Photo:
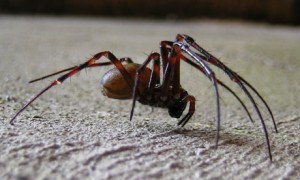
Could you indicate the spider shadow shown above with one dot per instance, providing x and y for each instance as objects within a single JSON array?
[{"x": 225, "y": 138}]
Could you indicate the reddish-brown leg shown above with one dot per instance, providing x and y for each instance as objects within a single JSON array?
[
  {"x": 75, "y": 70},
  {"x": 155, "y": 74},
  {"x": 187, "y": 117},
  {"x": 236, "y": 78},
  {"x": 154, "y": 78},
  {"x": 171, "y": 72},
  {"x": 165, "y": 50},
  {"x": 127, "y": 60},
  {"x": 220, "y": 83},
  {"x": 171, "y": 58},
  {"x": 210, "y": 74},
  {"x": 232, "y": 75}
]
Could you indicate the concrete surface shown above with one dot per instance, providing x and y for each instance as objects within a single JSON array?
[{"x": 73, "y": 132}]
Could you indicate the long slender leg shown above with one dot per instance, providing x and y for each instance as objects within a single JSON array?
[
  {"x": 220, "y": 83},
  {"x": 88, "y": 63},
  {"x": 164, "y": 45},
  {"x": 241, "y": 81},
  {"x": 166, "y": 67},
  {"x": 171, "y": 76},
  {"x": 186, "y": 118},
  {"x": 232, "y": 75},
  {"x": 236, "y": 78},
  {"x": 164, "y": 52},
  {"x": 211, "y": 75},
  {"x": 155, "y": 74},
  {"x": 154, "y": 78},
  {"x": 127, "y": 60},
  {"x": 167, "y": 49}
]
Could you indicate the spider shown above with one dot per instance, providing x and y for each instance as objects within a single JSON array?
[{"x": 128, "y": 80}]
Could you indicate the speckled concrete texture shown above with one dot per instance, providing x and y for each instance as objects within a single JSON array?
[{"x": 73, "y": 132}]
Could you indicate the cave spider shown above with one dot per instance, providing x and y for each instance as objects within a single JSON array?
[{"x": 128, "y": 80}]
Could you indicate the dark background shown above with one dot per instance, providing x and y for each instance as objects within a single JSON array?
[{"x": 271, "y": 11}]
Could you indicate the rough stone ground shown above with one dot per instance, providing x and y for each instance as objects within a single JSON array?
[{"x": 73, "y": 132}]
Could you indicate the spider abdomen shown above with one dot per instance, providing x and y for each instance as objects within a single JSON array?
[{"x": 114, "y": 85}]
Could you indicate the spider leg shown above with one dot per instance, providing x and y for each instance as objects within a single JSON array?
[
  {"x": 171, "y": 66},
  {"x": 186, "y": 118},
  {"x": 232, "y": 75},
  {"x": 236, "y": 78},
  {"x": 164, "y": 52},
  {"x": 211, "y": 75},
  {"x": 220, "y": 83},
  {"x": 155, "y": 74},
  {"x": 166, "y": 48},
  {"x": 87, "y": 64},
  {"x": 53, "y": 74},
  {"x": 241, "y": 81},
  {"x": 128, "y": 60},
  {"x": 154, "y": 78}
]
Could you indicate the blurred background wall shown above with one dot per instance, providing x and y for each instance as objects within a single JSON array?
[{"x": 271, "y": 11}]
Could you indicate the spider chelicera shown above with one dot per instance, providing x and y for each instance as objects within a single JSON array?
[{"x": 128, "y": 80}]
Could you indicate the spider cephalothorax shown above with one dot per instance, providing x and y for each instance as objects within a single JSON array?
[{"x": 137, "y": 81}]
